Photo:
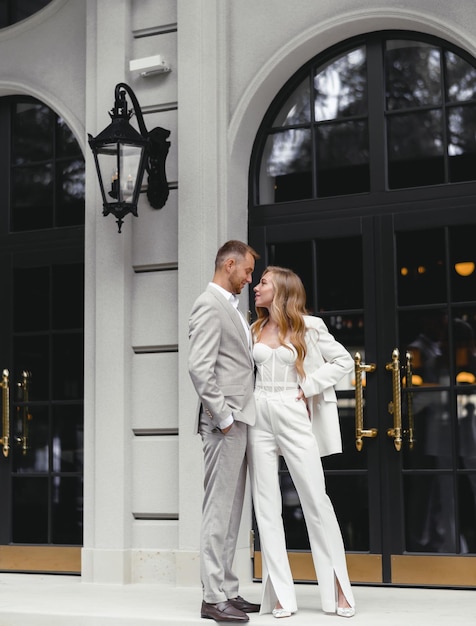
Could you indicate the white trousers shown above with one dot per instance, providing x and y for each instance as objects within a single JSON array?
[{"x": 283, "y": 427}]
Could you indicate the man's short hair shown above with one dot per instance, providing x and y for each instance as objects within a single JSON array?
[{"x": 234, "y": 248}]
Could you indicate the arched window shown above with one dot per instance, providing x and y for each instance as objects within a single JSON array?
[
  {"x": 383, "y": 112},
  {"x": 43, "y": 167},
  {"x": 13, "y": 11}
]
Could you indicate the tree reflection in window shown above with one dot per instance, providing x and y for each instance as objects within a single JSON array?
[
  {"x": 420, "y": 125},
  {"x": 47, "y": 168}
]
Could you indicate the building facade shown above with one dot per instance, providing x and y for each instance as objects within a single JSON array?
[{"x": 115, "y": 459}]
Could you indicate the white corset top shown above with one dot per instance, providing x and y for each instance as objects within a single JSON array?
[{"x": 275, "y": 367}]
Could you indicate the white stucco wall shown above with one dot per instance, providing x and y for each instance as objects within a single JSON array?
[{"x": 229, "y": 58}]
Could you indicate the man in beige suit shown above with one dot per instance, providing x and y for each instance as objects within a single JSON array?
[{"x": 222, "y": 371}]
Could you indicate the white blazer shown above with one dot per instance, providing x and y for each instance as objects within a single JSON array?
[{"x": 325, "y": 364}]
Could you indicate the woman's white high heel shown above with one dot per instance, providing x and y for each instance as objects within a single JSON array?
[
  {"x": 278, "y": 613},
  {"x": 347, "y": 611}
]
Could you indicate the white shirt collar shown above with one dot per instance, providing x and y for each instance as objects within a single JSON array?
[{"x": 233, "y": 298}]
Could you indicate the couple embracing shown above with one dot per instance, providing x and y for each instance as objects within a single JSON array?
[{"x": 289, "y": 408}]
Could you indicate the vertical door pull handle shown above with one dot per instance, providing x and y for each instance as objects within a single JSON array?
[
  {"x": 5, "y": 439},
  {"x": 360, "y": 432},
  {"x": 23, "y": 439},
  {"x": 409, "y": 385},
  {"x": 395, "y": 406}
]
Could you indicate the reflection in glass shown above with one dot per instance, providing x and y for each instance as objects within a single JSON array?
[
  {"x": 460, "y": 77},
  {"x": 32, "y": 132},
  {"x": 339, "y": 275},
  {"x": 340, "y": 88},
  {"x": 463, "y": 262},
  {"x": 286, "y": 167},
  {"x": 36, "y": 459},
  {"x": 32, "y": 353},
  {"x": 68, "y": 438},
  {"x": 296, "y": 109},
  {"x": 68, "y": 366},
  {"x": 349, "y": 495},
  {"x": 70, "y": 193},
  {"x": 31, "y": 285},
  {"x": 32, "y": 197},
  {"x": 430, "y": 513},
  {"x": 342, "y": 158},
  {"x": 421, "y": 267},
  {"x": 29, "y": 502},
  {"x": 413, "y": 74},
  {"x": 67, "y": 510},
  {"x": 297, "y": 256},
  {"x": 462, "y": 143},
  {"x": 415, "y": 149}
]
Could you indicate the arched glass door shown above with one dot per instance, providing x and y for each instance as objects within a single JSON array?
[
  {"x": 41, "y": 339},
  {"x": 362, "y": 182}
]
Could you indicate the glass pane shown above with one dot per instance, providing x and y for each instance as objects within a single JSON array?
[
  {"x": 296, "y": 110},
  {"x": 32, "y": 353},
  {"x": 31, "y": 285},
  {"x": 340, "y": 88},
  {"x": 433, "y": 436},
  {"x": 67, "y": 510},
  {"x": 297, "y": 255},
  {"x": 429, "y": 513},
  {"x": 339, "y": 274},
  {"x": 342, "y": 159},
  {"x": 32, "y": 198},
  {"x": 463, "y": 263},
  {"x": 68, "y": 367},
  {"x": 29, "y": 503},
  {"x": 67, "y": 447},
  {"x": 463, "y": 350},
  {"x": 467, "y": 430},
  {"x": 424, "y": 333},
  {"x": 286, "y": 167},
  {"x": 413, "y": 74},
  {"x": 67, "y": 145},
  {"x": 32, "y": 133},
  {"x": 68, "y": 296},
  {"x": 461, "y": 78},
  {"x": 415, "y": 150},
  {"x": 36, "y": 458},
  {"x": 349, "y": 496},
  {"x": 462, "y": 143},
  {"x": 421, "y": 267},
  {"x": 70, "y": 193},
  {"x": 21, "y": 9},
  {"x": 467, "y": 512}
]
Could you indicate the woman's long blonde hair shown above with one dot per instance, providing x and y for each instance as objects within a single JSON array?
[{"x": 288, "y": 308}]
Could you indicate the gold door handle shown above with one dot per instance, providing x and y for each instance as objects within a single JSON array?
[
  {"x": 360, "y": 432},
  {"x": 23, "y": 439},
  {"x": 395, "y": 406},
  {"x": 5, "y": 439},
  {"x": 409, "y": 385}
]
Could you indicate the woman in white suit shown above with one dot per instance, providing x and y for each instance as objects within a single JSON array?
[{"x": 298, "y": 362}]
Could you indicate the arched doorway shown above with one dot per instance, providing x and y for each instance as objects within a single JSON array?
[
  {"x": 363, "y": 181},
  {"x": 41, "y": 339}
]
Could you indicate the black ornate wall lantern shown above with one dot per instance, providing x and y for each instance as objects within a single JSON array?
[{"x": 122, "y": 155}]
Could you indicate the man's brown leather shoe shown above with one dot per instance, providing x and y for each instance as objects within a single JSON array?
[
  {"x": 243, "y": 605},
  {"x": 223, "y": 612}
]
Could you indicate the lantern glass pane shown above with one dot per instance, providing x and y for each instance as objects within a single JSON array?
[{"x": 130, "y": 158}]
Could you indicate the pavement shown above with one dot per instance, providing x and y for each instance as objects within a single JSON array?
[{"x": 49, "y": 600}]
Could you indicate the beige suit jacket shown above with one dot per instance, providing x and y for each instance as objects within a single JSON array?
[{"x": 220, "y": 363}]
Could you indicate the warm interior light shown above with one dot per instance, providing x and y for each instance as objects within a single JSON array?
[
  {"x": 404, "y": 271},
  {"x": 465, "y": 268},
  {"x": 465, "y": 377}
]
